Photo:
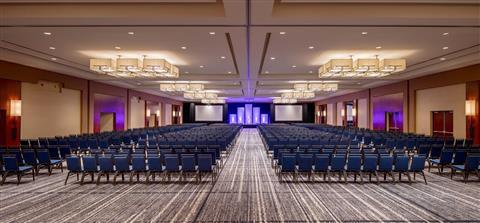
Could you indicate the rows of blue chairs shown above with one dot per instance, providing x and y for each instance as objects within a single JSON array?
[
  {"x": 466, "y": 161},
  {"x": 150, "y": 165},
  {"x": 32, "y": 155}
]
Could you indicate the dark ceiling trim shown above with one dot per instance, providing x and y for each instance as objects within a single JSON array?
[
  {"x": 264, "y": 52},
  {"x": 232, "y": 52}
]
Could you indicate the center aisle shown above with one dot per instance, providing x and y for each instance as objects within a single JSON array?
[{"x": 247, "y": 189}]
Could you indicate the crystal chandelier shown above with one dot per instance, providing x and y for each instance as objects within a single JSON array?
[
  {"x": 298, "y": 95},
  {"x": 315, "y": 87},
  {"x": 214, "y": 101},
  {"x": 361, "y": 68},
  {"x": 133, "y": 67},
  {"x": 181, "y": 87},
  {"x": 284, "y": 100}
]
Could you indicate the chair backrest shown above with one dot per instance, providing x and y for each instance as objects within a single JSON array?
[
  {"x": 138, "y": 162},
  {"x": 64, "y": 151},
  {"x": 29, "y": 157},
  {"x": 418, "y": 163},
  {"x": 53, "y": 152},
  {"x": 435, "y": 151},
  {"x": 205, "y": 162},
  {"x": 337, "y": 163},
  {"x": 385, "y": 163},
  {"x": 460, "y": 157},
  {"x": 43, "y": 156},
  {"x": 73, "y": 163},
  {"x": 354, "y": 163},
  {"x": 154, "y": 162},
  {"x": 105, "y": 163},
  {"x": 401, "y": 163},
  {"x": 10, "y": 162},
  {"x": 288, "y": 162},
  {"x": 171, "y": 162},
  {"x": 322, "y": 161},
  {"x": 121, "y": 163},
  {"x": 305, "y": 162},
  {"x": 188, "y": 162},
  {"x": 370, "y": 162},
  {"x": 472, "y": 162},
  {"x": 446, "y": 156},
  {"x": 89, "y": 163}
]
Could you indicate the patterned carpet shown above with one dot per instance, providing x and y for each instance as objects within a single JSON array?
[{"x": 247, "y": 189}]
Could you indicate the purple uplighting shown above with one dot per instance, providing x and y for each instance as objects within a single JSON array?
[
  {"x": 108, "y": 104},
  {"x": 388, "y": 103}
]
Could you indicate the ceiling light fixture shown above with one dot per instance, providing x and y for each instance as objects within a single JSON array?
[
  {"x": 364, "y": 33},
  {"x": 181, "y": 87},
  {"x": 284, "y": 100},
  {"x": 183, "y": 47},
  {"x": 361, "y": 68},
  {"x": 445, "y": 48},
  {"x": 187, "y": 72},
  {"x": 313, "y": 87},
  {"x": 229, "y": 72},
  {"x": 53, "y": 58},
  {"x": 298, "y": 94},
  {"x": 311, "y": 47},
  {"x": 283, "y": 33},
  {"x": 117, "y": 48},
  {"x": 134, "y": 67},
  {"x": 47, "y": 33},
  {"x": 267, "y": 72},
  {"x": 222, "y": 57},
  {"x": 378, "y": 47},
  {"x": 294, "y": 66},
  {"x": 310, "y": 71},
  {"x": 131, "y": 33},
  {"x": 272, "y": 58},
  {"x": 443, "y": 58},
  {"x": 201, "y": 66},
  {"x": 211, "y": 33},
  {"x": 445, "y": 34},
  {"x": 52, "y": 48}
]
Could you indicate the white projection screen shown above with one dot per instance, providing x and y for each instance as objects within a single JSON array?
[
  {"x": 208, "y": 113},
  {"x": 288, "y": 113}
]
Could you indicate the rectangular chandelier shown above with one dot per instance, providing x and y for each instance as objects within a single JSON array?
[
  {"x": 315, "y": 87},
  {"x": 284, "y": 100},
  {"x": 180, "y": 87},
  {"x": 133, "y": 67},
  {"x": 361, "y": 68},
  {"x": 298, "y": 95}
]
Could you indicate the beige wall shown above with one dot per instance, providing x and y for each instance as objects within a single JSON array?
[
  {"x": 362, "y": 113},
  {"x": 137, "y": 113},
  {"x": 330, "y": 114},
  {"x": 448, "y": 98},
  {"x": 339, "y": 113},
  {"x": 48, "y": 111},
  {"x": 168, "y": 114}
]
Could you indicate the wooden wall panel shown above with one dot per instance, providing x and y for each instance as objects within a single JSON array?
[{"x": 10, "y": 129}]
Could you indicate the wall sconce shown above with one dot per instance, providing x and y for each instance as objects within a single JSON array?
[
  {"x": 15, "y": 108},
  {"x": 324, "y": 113},
  {"x": 470, "y": 108},
  {"x": 148, "y": 113},
  {"x": 318, "y": 113},
  {"x": 158, "y": 113},
  {"x": 354, "y": 112},
  {"x": 173, "y": 113},
  {"x": 343, "y": 112},
  {"x": 179, "y": 113}
]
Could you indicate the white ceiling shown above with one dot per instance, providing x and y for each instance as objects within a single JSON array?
[{"x": 247, "y": 34}]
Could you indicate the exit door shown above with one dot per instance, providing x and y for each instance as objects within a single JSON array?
[{"x": 442, "y": 122}]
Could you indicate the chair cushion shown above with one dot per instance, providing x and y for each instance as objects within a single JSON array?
[
  {"x": 436, "y": 161},
  {"x": 25, "y": 168},
  {"x": 458, "y": 167},
  {"x": 55, "y": 161}
]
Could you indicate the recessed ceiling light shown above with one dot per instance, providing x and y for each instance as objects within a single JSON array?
[
  {"x": 131, "y": 33},
  {"x": 294, "y": 66},
  {"x": 272, "y": 58},
  {"x": 211, "y": 33},
  {"x": 47, "y": 33},
  {"x": 443, "y": 58},
  {"x": 139, "y": 83},
  {"x": 53, "y": 58},
  {"x": 310, "y": 72},
  {"x": 267, "y": 72},
  {"x": 52, "y": 48},
  {"x": 183, "y": 47},
  {"x": 364, "y": 33},
  {"x": 311, "y": 47},
  {"x": 223, "y": 57},
  {"x": 187, "y": 72},
  {"x": 201, "y": 66},
  {"x": 378, "y": 47},
  {"x": 117, "y": 47},
  {"x": 229, "y": 72},
  {"x": 445, "y": 48},
  {"x": 445, "y": 34},
  {"x": 283, "y": 33}
]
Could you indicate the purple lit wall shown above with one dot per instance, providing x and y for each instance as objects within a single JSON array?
[
  {"x": 387, "y": 103},
  {"x": 232, "y": 119},
  {"x": 240, "y": 115},
  {"x": 248, "y": 114},
  {"x": 264, "y": 119},
  {"x": 106, "y": 103},
  {"x": 256, "y": 115}
]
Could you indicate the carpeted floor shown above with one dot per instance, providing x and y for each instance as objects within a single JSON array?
[{"x": 247, "y": 189}]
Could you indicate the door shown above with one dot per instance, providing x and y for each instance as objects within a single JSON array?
[
  {"x": 107, "y": 122},
  {"x": 392, "y": 123},
  {"x": 442, "y": 123},
  {"x": 3, "y": 127}
]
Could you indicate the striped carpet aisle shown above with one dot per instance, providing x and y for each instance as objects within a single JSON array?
[{"x": 247, "y": 189}]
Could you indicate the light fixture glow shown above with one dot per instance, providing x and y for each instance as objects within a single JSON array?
[
  {"x": 378, "y": 47},
  {"x": 364, "y": 33},
  {"x": 283, "y": 33},
  {"x": 131, "y": 33},
  {"x": 445, "y": 48},
  {"x": 354, "y": 112},
  {"x": 47, "y": 33},
  {"x": 53, "y": 58},
  {"x": 118, "y": 48},
  {"x": 361, "y": 68},
  {"x": 470, "y": 108},
  {"x": 443, "y": 58},
  {"x": 15, "y": 108},
  {"x": 211, "y": 33},
  {"x": 201, "y": 66},
  {"x": 342, "y": 112},
  {"x": 222, "y": 57},
  {"x": 311, "y": 47},
  {"x": 294, "y": 66},
  {"x": 272, "y": 58},
  {"x": 445, "y": 34},
  {"x": 133, "y": 67},
  {"x": 183, "y": 47},
  {"x": 52, "y": 48},
  {"x": 148, "y": 113},
  {"x": 284, "y": 101}
]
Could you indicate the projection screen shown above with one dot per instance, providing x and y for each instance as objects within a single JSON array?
[
  {"x": 288, "y": 113},
  {"x": 208, "y": 113}
]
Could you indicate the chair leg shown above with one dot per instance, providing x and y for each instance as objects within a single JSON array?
[
  {"x": 33, "y": 175},
  {"x": 68, "y": 174},
  {"x": 131, "y": 177},
  {"x": 19, "y": 177},
  {"x": 98, "y": 177},
  {"x": 361, "y": 177},
  {"x": 424, "y": 178},
  {"x": 452, "y": 172},
  {"x": 376, "y": 176},
  {"x": 148, "y": 176},
  {"x": 414, "y": 175},
  {"x": 93, "y": 176},
  {"x": 345, "y": 176},
  {"x": 115, "y": 178},
  {"x": 4, "y": 176},
  {"x": 82, "y": 178},
  {"x": 393, "y": 178},
  {"x": 408, "y": 176}
]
